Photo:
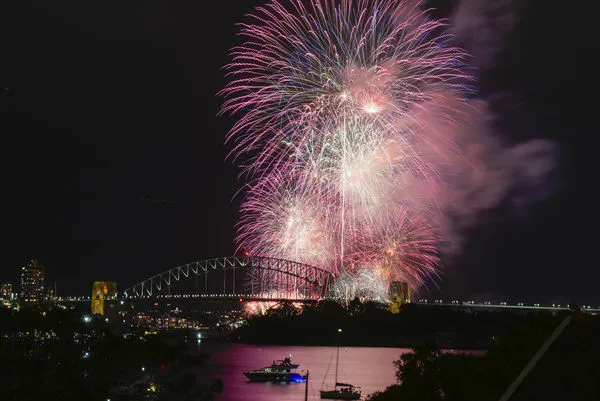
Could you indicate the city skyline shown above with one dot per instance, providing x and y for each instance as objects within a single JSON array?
[{"x": 118, "y": 172}]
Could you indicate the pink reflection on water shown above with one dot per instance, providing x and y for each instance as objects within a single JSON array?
[{"x": 369, "y": 368}]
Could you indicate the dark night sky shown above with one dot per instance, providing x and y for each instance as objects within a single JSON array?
[{"x": 112, "y": 102}]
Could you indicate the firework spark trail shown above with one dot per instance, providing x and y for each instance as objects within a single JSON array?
[
  {"x": 335, "y": 98},
  {"x": 292, "y": 223},
  {"x": 254, "y": 308},
  {"x": 365, "y": 282},
  {"x": 405, "y": 248}
]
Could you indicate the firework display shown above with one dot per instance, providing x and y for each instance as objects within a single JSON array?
[
  {"x": 262, "y": 308},
  {"x": 340, "y": 102}
]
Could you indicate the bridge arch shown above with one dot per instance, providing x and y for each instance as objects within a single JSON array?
[{"x": 314, "y": 282}]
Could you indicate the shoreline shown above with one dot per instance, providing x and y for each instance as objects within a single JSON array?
[
  {"x": 448, "y": 350},
  {"x": 406, "y": 345}
]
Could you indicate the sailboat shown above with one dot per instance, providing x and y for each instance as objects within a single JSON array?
[{"x": 341, "y": 391}]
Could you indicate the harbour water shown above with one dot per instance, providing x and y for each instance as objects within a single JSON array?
[{"x": 370, "y": 368}]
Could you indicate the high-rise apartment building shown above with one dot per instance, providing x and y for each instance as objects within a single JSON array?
[{"x": 32, "y": 283}]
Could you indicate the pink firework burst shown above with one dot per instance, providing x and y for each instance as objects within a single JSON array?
[{"x": 332, "y": 129}]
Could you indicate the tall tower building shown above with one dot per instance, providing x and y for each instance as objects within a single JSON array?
[{"x": 32, "y": 283}]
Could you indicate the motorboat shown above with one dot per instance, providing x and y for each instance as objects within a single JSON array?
[{"x": 280, "y": 371}]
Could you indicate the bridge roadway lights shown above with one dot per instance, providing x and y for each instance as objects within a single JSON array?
[
  {"x": 244, "y": 297},
  {"x": 501, "y": 305},
  {"x": 250, "y": 297}
]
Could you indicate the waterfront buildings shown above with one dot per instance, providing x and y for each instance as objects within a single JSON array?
[{"x": 6, "y": 292}]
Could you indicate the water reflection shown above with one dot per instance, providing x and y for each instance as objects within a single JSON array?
[{"x": 369, "y": 368}]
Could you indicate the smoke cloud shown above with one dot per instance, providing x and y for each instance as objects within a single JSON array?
[
  {"x": 483, "y": 27},
  {"x": 479, "y": 168},
  {"x": 491, "y": 172}
]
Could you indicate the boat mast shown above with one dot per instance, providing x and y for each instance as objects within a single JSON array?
[
  {"x": 306, "y": 387},
  {"x": 338, "y": 356}
]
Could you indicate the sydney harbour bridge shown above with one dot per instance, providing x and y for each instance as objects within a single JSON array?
[
  {"x": 247, "y": 277},
  {"x": 259, "y": 278}
]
